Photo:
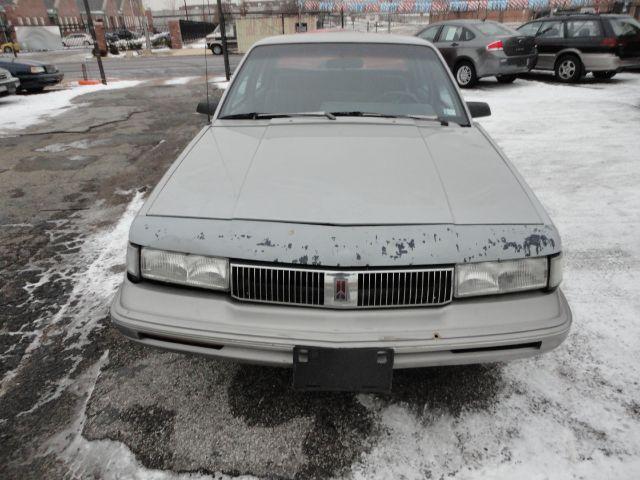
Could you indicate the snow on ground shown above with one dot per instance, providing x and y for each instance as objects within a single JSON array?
[
  {"x": 575, "y": 412},
  {"x": 178, "y": 80},
  {"x": 219, "y": 82},
  {"x": 22, "y": 111}
]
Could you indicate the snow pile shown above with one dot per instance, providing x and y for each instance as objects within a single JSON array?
[
  {"x": 572, "y": 413},
  {"x": 22, "y": 111},
  {"x": 179, "y": 80},
  {"x": 219, "y": 82}
]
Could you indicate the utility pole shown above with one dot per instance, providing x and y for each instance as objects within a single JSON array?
[
  {"x": 186, "y": 12},
  {"x": 96, "y": 49},
  {"x": 223, "y": 34}
]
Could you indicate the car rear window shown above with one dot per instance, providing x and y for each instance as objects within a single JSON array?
[
  {"x": 491, "y": 28},
  {"x": 624, "y": 27}
]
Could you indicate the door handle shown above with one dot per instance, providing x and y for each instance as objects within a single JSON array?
[{"x": 454, "y": 44}]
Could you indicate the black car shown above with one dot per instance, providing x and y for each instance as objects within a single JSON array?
[
  {"x": 576, "y": 44},
  {"x": 34, "y": 76},
  {"x": 121, "y": 34}
]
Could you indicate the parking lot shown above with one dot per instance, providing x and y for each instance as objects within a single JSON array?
[{"x": 77, "y": 400}]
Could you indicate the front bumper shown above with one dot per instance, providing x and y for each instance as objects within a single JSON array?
[
  {"x": 497, "y": 63},
  {"x": 9, "y": 86},
  {"x": 486, "y": 329},
  {"x": 40, "y": 80}
]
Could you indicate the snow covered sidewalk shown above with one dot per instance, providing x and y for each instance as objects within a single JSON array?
[{"x": 22, "y": 111}]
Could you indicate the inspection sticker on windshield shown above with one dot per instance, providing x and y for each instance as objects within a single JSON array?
[{"x": 450, "y": 112}]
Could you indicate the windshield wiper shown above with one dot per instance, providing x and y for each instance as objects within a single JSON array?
[
  {"x": 426, "y": 118},
  {"x": 266, "y": 116}
]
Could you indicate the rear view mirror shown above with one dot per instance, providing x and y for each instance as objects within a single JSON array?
[
  {"x": 479, "y": 109},
  {"x": 207, "y": 108}
]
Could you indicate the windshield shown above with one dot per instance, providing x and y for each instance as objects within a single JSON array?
[{"x": 380, "y": 78}]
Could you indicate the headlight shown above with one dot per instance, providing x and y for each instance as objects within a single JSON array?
[
  {"x": 489, "y": 278},
  {"x": 37, "y": 69},
  {"x": 184, "y": 269}
]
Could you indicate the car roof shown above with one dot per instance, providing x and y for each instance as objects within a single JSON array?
[
  {"x": 573, "y": 16},
  {"x": 342, "y": 38},
  {"x": 467, "y": 21}
]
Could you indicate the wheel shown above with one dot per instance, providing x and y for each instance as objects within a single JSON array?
[
  {"x": 465, "y": 74},
  {"x": 216, "y": 49},
  {"x": 568, "y": 69},
  {"x": 605, "y": 75},
  {"x": 506, "y": 78},
  {"x": 7, "y": 49}
]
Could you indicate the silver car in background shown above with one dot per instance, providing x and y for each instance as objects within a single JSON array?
[
  {"x": 342, "y": 214},
  {"x": 475, "y": 49}
]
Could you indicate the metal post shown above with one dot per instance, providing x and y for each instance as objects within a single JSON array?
[
  {"x": 145, "y": 26},
  {"x": 342, "y": 18},
  {"x": 223, "y": 33},
  {"x": 282, "y": 23},
  {"x": 84, "y": 71},
  {"x": 389, "y": 23},
  {"x": 186, "y": 12},
  {"x": 96, "y": 49}
]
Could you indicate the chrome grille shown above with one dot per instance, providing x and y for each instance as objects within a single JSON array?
[
  {"x": 405, "y": 288},
  {"x": 277, "y": 285},
  {"x": 375, "y": 288}
]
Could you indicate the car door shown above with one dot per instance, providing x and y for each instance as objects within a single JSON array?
[
  {"x": 448, "y": 42},
  {"x": 550, "y": 39}
]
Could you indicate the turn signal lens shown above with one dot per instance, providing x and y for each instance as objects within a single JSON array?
[
  {"x": 497, "y": 45},
  {"x": 555, "y": 270}
]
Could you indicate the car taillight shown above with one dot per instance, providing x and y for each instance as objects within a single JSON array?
[
  {"x": 497, "y": 45},
  {"x": 609, "y": 42}
]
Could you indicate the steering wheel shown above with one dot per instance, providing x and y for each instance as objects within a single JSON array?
[{"x": 399, "y": 94}]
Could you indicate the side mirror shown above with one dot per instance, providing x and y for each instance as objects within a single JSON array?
[
  {"x": 207, "y": 108},
  {"x": 479, "y": 109}
]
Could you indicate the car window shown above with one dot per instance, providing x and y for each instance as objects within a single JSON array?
[
  {"x": 552, "y": 29},
  {"x": 529, "y": 29},
  {"x": 625, "y": 26},
  {"x": 450, "y": 33},
  {"x": 467, "y": 35},
  {"x": 583, "y": 28},
  {"x": 430, "y": 33},
  {"x": 390, "y": 79},
  {"x": 493, "y": 28}
]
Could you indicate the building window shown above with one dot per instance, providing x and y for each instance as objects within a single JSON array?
[
  {"x": 20, "y": 22},
  {"x": 27, "y": 20},
  {"x": 41, "y": 20}
]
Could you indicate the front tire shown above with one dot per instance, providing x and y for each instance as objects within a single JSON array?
[
  {"x": 216, "y": 49},
  {"x": 506, "y": 78},
  {"x": 568, "y": 69},
  {"x": 605, "y": 75},
  {"x": 465, "y": 74}
]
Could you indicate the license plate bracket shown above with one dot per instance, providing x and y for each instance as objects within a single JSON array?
[{"x": 342, "y": 369}]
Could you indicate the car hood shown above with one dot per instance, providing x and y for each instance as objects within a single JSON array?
[
  {"x": 345, "y": 172},
  {"x": 25, "y": 62}
]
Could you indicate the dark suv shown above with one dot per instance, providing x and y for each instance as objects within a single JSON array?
[{"x": 573, "y": 45}]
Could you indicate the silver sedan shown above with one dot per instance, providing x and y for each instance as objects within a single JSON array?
[
  {"x": 343, "y": 214},
  {"x": 474, "y": 49}
]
